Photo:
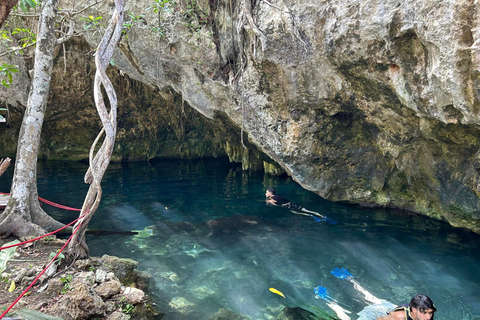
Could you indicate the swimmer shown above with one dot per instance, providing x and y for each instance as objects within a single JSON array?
[
  {"x": 420, "y": 307},
  {"x": 278, "y": 200}
]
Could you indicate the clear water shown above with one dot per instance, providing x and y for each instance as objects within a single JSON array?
[{"x": 210, "y": 242}]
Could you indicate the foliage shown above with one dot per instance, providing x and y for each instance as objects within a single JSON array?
[
  {"x": 26, "y": 36},
  {"x": 195, "y": 16},
  {"x": 7, "y": 71},
  {"x": 10, "y": 314},
  {"x": 5, "y": 36},
  {"x": 92, "y": 22},
  {"x": 26, "y": 5},
  {"x": 66, "y": 287},
  {"x": 49, "y": 238},
  {"x": 59, "y": 258},
  {"x": 126, "y": 307},
  {"x": 158, "y": 31},
  {"x": 133, "y": 19},
  {"x": 159, "y": 5},
  {"x": 7, "y": 254}
]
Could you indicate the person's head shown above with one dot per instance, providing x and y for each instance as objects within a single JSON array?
[
  {"x": 422, "y": 308},
  {"x": 270, "y": 192}
]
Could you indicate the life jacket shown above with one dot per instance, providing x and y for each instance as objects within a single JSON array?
[{"x": 405, "y": 308}]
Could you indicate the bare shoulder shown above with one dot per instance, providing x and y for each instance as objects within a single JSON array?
[{"x": 395, "y": 315}]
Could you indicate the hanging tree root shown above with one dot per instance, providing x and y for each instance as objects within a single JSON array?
[
  {"x": 4, "y": 163},
  {"x": 99, "y": 162}
]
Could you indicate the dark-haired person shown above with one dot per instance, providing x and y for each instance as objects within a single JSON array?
[
  {"x": 420, "y": 307},
  {"x": 277, "y": 200}
]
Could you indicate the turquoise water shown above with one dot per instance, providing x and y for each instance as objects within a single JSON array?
[{"x": 210, "y": 242}]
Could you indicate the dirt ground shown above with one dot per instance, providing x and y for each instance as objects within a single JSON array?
[{"x": 32, "y": 256}]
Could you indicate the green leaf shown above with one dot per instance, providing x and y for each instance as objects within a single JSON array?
[
  {"x": 31, "y": 3},
  {"x": 35, "y": 315},
  {"x": 23, "y": 7},
  {"x": 7, "y": 254}
]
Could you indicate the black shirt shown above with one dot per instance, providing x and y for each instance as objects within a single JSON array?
[{"x": 279, "y": 200}]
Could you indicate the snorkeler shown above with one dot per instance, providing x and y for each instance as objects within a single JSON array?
[
  {"x": 278, "y": 200},
  {"x": 420, "y": 307}
]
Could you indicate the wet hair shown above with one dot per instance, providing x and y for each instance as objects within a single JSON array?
[
  {"x": 422, "y": 302},
  {"x": 272, "y": 190}
]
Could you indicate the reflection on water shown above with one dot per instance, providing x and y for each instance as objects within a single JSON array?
[{"x": 210, "y": 242}]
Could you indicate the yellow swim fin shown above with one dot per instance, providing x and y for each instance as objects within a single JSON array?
[{"x": 276, "y": 292}]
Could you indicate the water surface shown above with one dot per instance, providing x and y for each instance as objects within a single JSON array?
[{"x": 210, "y": 242}]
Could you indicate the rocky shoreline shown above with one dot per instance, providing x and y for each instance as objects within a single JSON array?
[{"x": 104, "y": 287}]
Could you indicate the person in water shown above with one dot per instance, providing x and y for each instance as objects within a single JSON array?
[
  {"x": 420, "y": 307},
  {"x": 278, "y": 200}
]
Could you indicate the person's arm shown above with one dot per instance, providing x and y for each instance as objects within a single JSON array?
[{"x": 271, "y": 201}]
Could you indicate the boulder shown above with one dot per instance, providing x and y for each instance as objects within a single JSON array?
[
  {"x": 122, "y": 268},
  {"x": 133, "y": 295},
  {"x": 108, "y": 289},
  {"x": 79, "y": 304},
  {"x": 117, "y": 315}
]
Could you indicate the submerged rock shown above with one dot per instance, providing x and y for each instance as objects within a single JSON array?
[
  {"x": 180, "y": 303},
  {"x": 224, "y": 314},
  {"x": 300, "y": 314}
]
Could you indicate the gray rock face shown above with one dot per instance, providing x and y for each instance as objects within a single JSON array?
[
  {"x": 371, "y": 102},
  {"x": 361, "y": 101}
]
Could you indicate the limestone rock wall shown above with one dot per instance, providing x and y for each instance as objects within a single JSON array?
[{"x": 371, "y": 102}]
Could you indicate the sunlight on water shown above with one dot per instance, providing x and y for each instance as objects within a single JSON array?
[{"x": 210, "y": 242}]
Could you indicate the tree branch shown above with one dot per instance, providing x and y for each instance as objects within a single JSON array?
[
  {"x": 72, "y": 14},
  {"x": 17, "y": 49}
]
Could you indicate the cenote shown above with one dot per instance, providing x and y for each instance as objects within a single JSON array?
[{"x": 210, "y": 242}]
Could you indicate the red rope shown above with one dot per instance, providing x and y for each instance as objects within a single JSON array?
[
  {"x": 58, "y": 205},
  {"x": 53, "y": 204},
  {"x": 45, "y": 235},
  {"x": 43, "y": 271}
]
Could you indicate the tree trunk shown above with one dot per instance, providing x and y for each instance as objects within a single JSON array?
[
  {"x": 99, "y": 163},
  {"x": 5, "y": 8},
  {"x": 23, "y": 217}
]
